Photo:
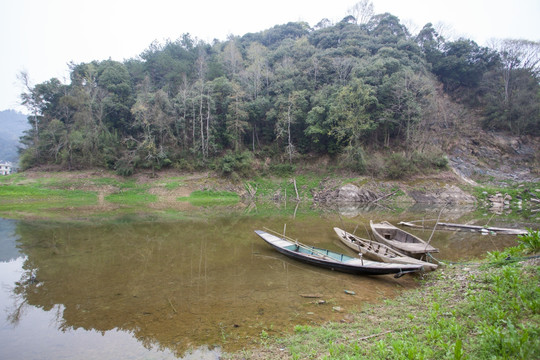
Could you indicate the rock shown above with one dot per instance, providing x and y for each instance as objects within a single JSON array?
[
  {"x": 347, "y": 319},
  {"x": 348, "y": 193},
  {"x": 352, "y": 193},
  {"x": 449, "y": 194}
]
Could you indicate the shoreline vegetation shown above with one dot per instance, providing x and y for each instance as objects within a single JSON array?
[
  {"x": 102, "y": 194},
  {"x": 488, "y": 309}
]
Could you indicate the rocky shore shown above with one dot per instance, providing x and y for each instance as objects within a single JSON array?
[{"x": 428, "y": 191}]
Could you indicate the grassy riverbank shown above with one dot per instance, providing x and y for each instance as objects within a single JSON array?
[
  {"x": 483, "y": 310},
  {"x": 100, "y": 194}
]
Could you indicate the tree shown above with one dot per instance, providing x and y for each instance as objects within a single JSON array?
[
  {"x": 362, "y": 11},
  {"x": 517, "y": 54},
  {"x": 114, "y": 78},
  {"x": 463, "y": 64},
  {"x": 181, "y": 108},
  {"x": 431, "y": 43},
  {"x": 203, "y": 100},
  {"x": 387, "y": 28},
  {"x": 256, "y": 75},
  {"x": 343, "y": 67},
  {"x": 353, "y": 115},
  {"x": 512, "y": 89},
  {"x": 232, "y": 58},
  {"x": 43, "y": 102},
  {"x": 237, "y": 116},
  {"x": 288, "y": 107},
  {"x": 403, "y": 95},
  {"x": 153, "y": 114}
]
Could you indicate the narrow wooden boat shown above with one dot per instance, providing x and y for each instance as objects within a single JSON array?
[
  {"x": 379, "y": 252},
  {"x": 479, "y": 228},
  {"x": 332, "y": 260},
  {"x": 401, "y": 240}
]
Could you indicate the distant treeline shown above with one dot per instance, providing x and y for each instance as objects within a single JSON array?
[{"x": 292, "y": 90}]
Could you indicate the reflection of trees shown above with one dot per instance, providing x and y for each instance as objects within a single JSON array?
[
  {"x": 19, "y": 302},
  {"x": 8, "y": 238},
  {"x": 179, "y": 285},
  {"x": 158, "y": 282}
]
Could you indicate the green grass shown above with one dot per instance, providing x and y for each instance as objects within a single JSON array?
[
  {"x": 45, "y": 196},
  {"x": 273, "y": 188},
  {"x": 211, "y": 198},
  {"x": 174, "y": 183},
  {"x": 34, "y": 197},
  {"x": 121, "y": 184},
  {"x": 132, "y": 197},
  {"x": 522, "y": 192}
]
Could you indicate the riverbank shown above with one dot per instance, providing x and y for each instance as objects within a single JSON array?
[
  {"x": 478, "y": 310},
  {"x": 102, "y": 194}
]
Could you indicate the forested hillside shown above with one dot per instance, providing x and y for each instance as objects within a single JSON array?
[{"x": 342, "y": 90}]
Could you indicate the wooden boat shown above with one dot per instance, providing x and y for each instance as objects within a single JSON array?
[
  {"x": 332, "y": 260},
  {"x": 377, "y": 251},
  {"x": 479, "y": 228},
  {"x": 401, "y": 240}
]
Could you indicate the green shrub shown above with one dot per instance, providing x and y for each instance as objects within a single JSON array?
[
  {"x": 356, "y": 159},
  {"x": 429, "y": 160},
  {"x": 124, "y": 167},
  {"x": 530, "y": 241},
  {"x": 282, "y": 170},
  {"x": 236, "y": 164},
  {"x": 398, "y": 166}
]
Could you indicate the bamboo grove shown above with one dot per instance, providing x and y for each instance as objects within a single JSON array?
[{"x": 280, "y": 94}]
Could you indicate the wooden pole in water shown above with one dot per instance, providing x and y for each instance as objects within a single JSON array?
[{"x": 433, "y": 231}]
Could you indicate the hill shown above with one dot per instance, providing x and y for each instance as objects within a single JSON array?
[
  {"x": 369, "y": 95},
  {"x": 13, "y": 125}
]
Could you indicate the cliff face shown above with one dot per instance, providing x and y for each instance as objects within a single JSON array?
[{"x": 496, "y": 158}]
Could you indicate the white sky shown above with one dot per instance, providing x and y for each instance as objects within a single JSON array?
[{"x": 43, "y": 36}]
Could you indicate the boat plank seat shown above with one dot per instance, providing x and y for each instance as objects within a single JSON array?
[{"x": 412, "y": 247}]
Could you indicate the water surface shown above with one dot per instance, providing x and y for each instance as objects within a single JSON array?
[{"x": 189, "y": 288}]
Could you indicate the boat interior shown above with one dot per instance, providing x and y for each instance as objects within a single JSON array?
[{"x": 310, "y": 250}]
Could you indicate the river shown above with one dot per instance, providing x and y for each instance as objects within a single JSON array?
[{"x": 190, "y": 288}]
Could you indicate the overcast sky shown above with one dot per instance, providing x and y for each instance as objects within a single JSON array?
[{"x": 42, "y": 36}]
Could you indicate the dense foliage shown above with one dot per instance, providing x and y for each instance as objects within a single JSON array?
[{"x": 280, "y": 94}]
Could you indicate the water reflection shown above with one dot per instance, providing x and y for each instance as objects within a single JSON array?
[
  {"x": 8, "y": 238},
  {"x": 202, "y": 284}
]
